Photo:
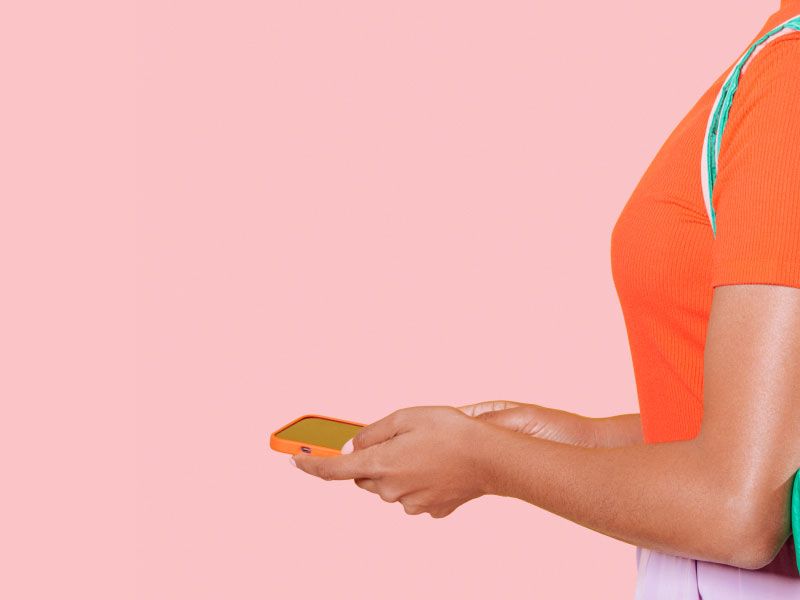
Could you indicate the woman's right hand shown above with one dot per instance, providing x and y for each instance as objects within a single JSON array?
[{"x": 538, "y": 421}]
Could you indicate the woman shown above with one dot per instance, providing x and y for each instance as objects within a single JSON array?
[{"x": 713, "y": 321}]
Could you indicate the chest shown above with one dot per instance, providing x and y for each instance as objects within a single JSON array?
[{"x": 661, "y": 242}]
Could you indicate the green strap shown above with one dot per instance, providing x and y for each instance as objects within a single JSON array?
[
  {"x": 718, "y": 118},
  {"x": 796, "y": 517}
]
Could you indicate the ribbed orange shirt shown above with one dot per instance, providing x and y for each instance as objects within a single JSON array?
[{"x": 665, "y": 260}]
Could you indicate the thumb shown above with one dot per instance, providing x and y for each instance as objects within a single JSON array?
[
  {"x": 333, "y": 467},
  {"x": 474, "y": 410},
  {"x": 516, "y": 419},
  {"x": 375, "y": 433}
]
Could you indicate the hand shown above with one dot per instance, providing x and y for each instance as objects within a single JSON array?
[
  {"x": 538, "y": 421},
  {"x": 428, "y": 458}
]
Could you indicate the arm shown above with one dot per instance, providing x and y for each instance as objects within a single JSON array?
[
  {"x": 661, "y": 496},
  {"x": 619, "y": 430},
  {"x": 559, "y": 425},
  {"x": 722, "y": 496}
]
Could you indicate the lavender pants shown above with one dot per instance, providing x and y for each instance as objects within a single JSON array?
[{"x": 666, "y": 577}]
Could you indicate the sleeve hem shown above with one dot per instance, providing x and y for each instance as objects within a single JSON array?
[{"x": 771, "y": 272}]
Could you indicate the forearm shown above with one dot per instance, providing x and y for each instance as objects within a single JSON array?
[
  {"x": 618, "y": 430},
  {"x": 661, "y": 496}
]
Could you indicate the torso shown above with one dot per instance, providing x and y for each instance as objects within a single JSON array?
[{"x": 661, "y": 250}]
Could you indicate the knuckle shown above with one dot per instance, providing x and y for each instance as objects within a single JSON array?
[
  {"x": 394, "y": 419},
  {"x": 358, "y": 439},
  {"x": 400, "y": 416},
  {"x": 374, "y": 465}
]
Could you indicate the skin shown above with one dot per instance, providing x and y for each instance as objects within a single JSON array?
[{"x": 722, "y": 496}]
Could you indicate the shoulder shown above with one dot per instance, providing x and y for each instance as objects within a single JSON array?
[
  {"x": 767, "y": 94},
  {"x": 776, "y": 57}
]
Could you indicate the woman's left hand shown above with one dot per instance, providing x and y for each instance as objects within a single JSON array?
[{"x": 428, "y": 458}]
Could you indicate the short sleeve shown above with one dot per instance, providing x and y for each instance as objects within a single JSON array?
[{"x": 757, "y": 190}]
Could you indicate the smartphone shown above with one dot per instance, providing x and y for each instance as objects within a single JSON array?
[{"x": 315, "y": 435}]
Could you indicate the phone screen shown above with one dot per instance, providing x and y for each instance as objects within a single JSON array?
[{"x": 320, "y": 432}]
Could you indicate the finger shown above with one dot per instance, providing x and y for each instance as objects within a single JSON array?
[
  {"x": 345, "y": 466},
  {"x": 412, "y": 505},
  {"x": 417, "y": 503},
  {"x": 379, "y": 431},
  {"x": 439, "y": 513},
  {"x": 371, "y": 485},
  {"x": 366, "y": 484},
  {"x": 473, "y": 410}
]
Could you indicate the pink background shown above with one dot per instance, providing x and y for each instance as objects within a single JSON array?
[{"x": 222, "y": 215}]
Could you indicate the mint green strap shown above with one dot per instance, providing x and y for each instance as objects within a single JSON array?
[
  {"x": 796, "y": 517},
  {"x": 718, "y": 118}
]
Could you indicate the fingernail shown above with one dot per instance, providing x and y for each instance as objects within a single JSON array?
[
  {"x": 348, "y": 446},
  {"x": 291, "y": 459}
]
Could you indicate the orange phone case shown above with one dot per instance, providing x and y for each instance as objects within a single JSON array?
[{"x": 292, "y": 447}]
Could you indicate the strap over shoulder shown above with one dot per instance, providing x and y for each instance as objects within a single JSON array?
[{"x": 718, "y": 117}]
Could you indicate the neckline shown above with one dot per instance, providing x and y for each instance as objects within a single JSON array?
[{"x": 788, "y": 9}]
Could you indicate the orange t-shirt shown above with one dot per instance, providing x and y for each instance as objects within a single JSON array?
[{"x": 665, "y": 260}]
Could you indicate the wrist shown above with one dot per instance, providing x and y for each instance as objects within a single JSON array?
[{"x": 493, "y": 455}]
